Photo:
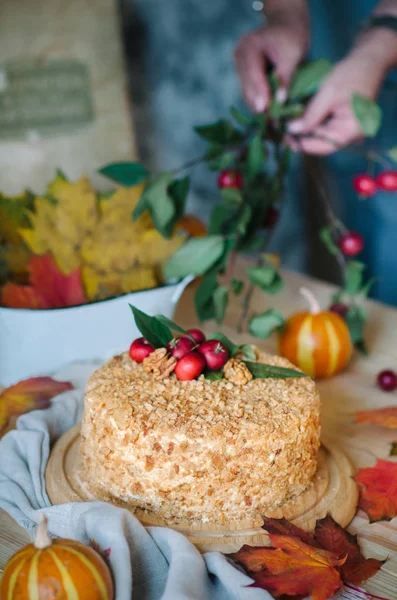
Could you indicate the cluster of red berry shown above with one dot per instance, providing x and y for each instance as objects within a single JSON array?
[
  {"x": 193, "y": 352},
  {"x": 365, "y": 185}
]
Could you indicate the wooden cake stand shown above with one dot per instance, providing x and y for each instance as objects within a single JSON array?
[{"x": 333, "y": 491}]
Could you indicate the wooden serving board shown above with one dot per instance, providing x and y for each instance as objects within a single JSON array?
[{"x": 332, "y": 491}]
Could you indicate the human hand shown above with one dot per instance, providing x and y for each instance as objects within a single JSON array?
[
  {"x": 329, "y": 123},
  {"x": 283, "y": 43}
]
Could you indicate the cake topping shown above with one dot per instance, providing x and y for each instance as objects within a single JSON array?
[
  {"x": 190, "y": 354},
  {"x": 237, "y": 372},
  {"x": 160, "y": 363}
]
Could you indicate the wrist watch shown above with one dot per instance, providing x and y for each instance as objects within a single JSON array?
[{"x": 385, "y": 21}]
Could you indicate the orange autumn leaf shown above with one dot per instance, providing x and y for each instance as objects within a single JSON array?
[
  {"x": 378, "y": 490},
  {"x": 294, "y": 568},
  {"x": 49, "y": 287},
  {"x": 331, "y": 556},
  {"x": 386, "y": 417},
  {"x": 333, "y": 537},
  {"x": 30, "y": 394}
]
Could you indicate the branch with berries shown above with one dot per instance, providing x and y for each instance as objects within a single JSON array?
[{"x": 251, "y": 157}]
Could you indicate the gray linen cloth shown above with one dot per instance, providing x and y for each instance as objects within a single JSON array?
[{"x": 151, "y": 563}]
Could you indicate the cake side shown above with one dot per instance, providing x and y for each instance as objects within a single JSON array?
[{"x": 198, "y": 449}]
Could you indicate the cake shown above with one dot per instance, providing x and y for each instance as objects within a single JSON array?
[{"x": 198, "y": 450}]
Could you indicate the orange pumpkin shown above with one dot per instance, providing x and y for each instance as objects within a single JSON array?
[
  {"x": 59, "y": 569},
  {"x": 318, "y": 342}
]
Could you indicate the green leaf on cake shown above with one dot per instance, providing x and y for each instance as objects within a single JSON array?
[
  {"x": 221, "y": 299},
  {"x": 264, "y": 324},
  {"x": 245, "y": 350},
  {"x": 125, "y": 173},
  {"x": 222, "y": 132},
  {"x": 262, "y": 371},
  {"x": 173, "y": 326},
  {"x": 195, "y": 257},
  {"x": 368, "y": 114},
  {"x": 151, "y": 328},
  {"x": 308, "y": 78},
  {"x": 213, "y": 375}
]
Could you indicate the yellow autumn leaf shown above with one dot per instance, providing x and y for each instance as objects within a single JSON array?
[
  {"x": 99, "y": 286},
  {"x": 156, "y": 250}
]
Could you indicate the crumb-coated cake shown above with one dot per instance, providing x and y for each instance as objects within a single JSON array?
[{"x": 199, "y": 449}]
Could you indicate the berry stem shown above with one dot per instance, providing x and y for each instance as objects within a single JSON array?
[
  {"x": 312, "y": 300},
  {"x": 42, "y": 540}
]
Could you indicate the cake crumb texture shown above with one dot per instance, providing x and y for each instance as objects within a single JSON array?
[{"x": 201, "y": 450}]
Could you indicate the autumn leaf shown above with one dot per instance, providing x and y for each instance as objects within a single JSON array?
[
  {"x": 386, "y": 417},
  {"x": 31, "y": 394},
  {"x": 378, "y": 490},
  {"x": 299, "y": 563},
  {"x": 331, "y": 536},
  {"x": 292, "y": 567},
  {"x": 49, "y": 287}
]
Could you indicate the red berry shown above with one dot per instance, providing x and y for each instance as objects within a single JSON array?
[
  {"x": 230, "y": 179},
  {"x": 387, "y": 380},
  {"x": 271, "y": 217},
  {"x": 197, "y": 335},
  {"x": 351, "y": 243},
  {"x": 387, "y": 181},
  {"x": 189, "y": 366},
  {"x": 365, "y": 185},
  {"x": 339, "y": 309},
  {"x": 215, "y": 354},
  {"x": 140, "y": 349},
  {"x": 180, "y": 346}
]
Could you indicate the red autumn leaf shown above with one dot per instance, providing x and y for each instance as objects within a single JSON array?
[
  {"x": 378, "y": 490},
  {"x": 386, "y": 417},
  {"x": 30, "y": 394},
  {"x": 49, "y": 287},
  {"x": 299, "y": 563},
  {"x": 284, "y": 527},
  {"x": 294, "y": 568},
  {"x": 333, "y": 537}
]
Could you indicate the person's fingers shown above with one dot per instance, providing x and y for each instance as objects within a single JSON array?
[
  {"x": 318, "y": 109},
  {"x": 250, "y": 62},
  {"x": 329, "y": 138}
]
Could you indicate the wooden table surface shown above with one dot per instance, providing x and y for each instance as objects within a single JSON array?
[{"x": 341, "y": 397}]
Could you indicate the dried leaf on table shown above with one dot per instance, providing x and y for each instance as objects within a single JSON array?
[
  {"x": 49, "y": 287},
  {"x": 30, "y": 394},
  {"x": 292, "y": 567},
  {"x": 378, "y": 490},
  {"x": 299, "y": 563},
  {"x": 386, "y": 417}
]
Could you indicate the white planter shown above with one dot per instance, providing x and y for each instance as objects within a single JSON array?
[{"x": 40, "y": 342}]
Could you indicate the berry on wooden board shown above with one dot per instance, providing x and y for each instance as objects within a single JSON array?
[
  {"x": 197, "y": 335},
  {"x": 365, "y": 185},
  {"x": 180, "y": 346},
  {"x": 189, "y": 366},
  {"x": 387, "y": 380},
  {"x": 230, "y": 179},
  {"x": 387, "y": 181},
  {"x": 140, "y": 349},
  {"x": 351, "y": 243},
  {"x": 215, "y": 354}
]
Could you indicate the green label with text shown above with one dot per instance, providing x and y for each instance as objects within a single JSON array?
[{"x": 45, "y": 99}]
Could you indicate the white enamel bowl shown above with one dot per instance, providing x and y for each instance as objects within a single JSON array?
[{"x": 40, "y": 342}]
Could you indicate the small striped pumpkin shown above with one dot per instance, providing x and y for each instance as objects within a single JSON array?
[
  {"x": 58, "y": 569},
  {"x": 318, "y": 342}
]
